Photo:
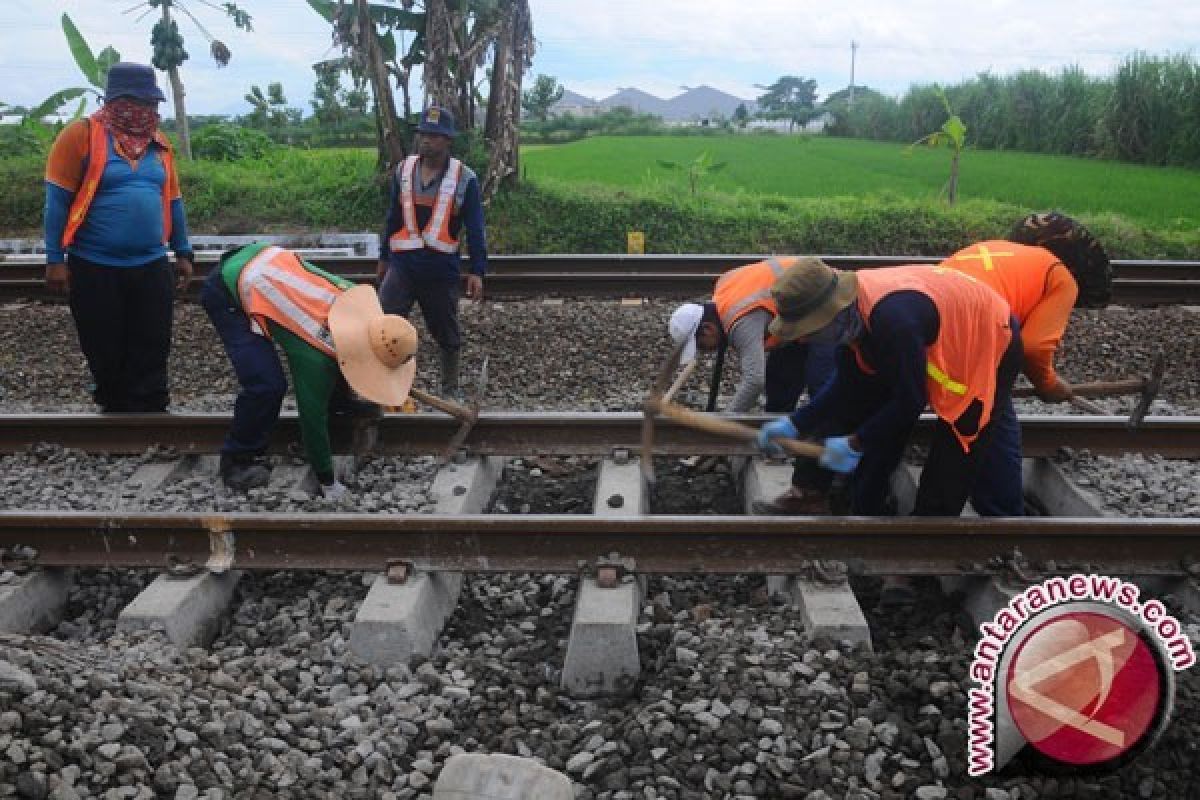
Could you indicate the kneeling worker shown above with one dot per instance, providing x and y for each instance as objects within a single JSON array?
[
  {"x": 328, "y": 328},
  {"x": 738, "y": 314},
  {"x": 909, "y": 337}
]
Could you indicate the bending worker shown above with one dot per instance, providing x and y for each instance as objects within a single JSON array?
[
  {"x": 328, "y": 329},
  {"x": 434, "y": 197},
  {"x": 738, "y": 314},
  {"x": 908, "y": 337},
  {"x": 1048, "y": 263}
]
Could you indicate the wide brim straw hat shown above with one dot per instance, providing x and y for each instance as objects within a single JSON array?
[
  {"x": 375, "y": 351},
  {"x": 808, "y": 296}
]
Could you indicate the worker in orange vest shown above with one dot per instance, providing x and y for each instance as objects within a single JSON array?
[
  {"x": 1048, "y": 264},
  {"x": 907, "y": 337},
  {"x": 738, "y": 314},
  {"x": 332, "y": 332}
]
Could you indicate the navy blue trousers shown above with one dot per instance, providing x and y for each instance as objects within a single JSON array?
[
  {"x": 123, "y": 319},
  {"x": 437, "y": 295},
  {"x": 989, "y": 474},
  {"x": 257, "y": 366}
]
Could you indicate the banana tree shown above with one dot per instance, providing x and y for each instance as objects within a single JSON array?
[
  {"x": 169, "y": 52},
  {"x": 697, "y": 169},
  {"x": 952, "y": 133},
  {"x": 94, "y": 68}
]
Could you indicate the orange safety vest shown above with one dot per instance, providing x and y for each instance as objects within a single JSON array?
[
  {"x": 744, "y": 289},
  {"x": 1017, "y": 272},
  {"x": 275, "y": 286},
  {"x": 97, "y": 160},
  {"x": 437, "y": 232},
  {"x": 973, "y": 334}
]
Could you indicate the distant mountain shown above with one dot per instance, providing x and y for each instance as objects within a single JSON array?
[
  {"x": 704, "y": 102},
  {"x": 639, "y": 101},
  {"x": 701, "y": 102}
]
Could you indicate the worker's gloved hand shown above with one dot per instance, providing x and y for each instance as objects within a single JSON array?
[
  {"x": 335, "y": 490},
  {"x": 839, "y": 456},
  {"x": 781, "y": 428}
]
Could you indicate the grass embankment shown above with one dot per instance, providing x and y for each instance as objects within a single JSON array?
[{"x": 778, "y": 194}]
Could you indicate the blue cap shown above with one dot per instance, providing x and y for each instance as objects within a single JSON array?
[
  {"x": 126, "y": 79},
  {"x": 437, "y": 120}
]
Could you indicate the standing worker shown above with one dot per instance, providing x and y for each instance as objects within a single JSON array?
[
  {"x": 910, "y": 337},
  {"x": 113, "y": 206},
  {"x": 434, "y": 196},
  {"x": 328, "y": 329},
  {"x": 738, "y": 315},
  {"x": 1048, "y": 263}
]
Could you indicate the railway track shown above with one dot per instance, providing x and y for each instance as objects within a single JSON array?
[
  {"x": 1137, "y": 282},
  {"x": 567, "y": 543}
]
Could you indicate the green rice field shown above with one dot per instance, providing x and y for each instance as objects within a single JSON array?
[{"x": 1167, "y": 198}]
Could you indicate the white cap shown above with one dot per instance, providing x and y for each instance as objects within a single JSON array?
[{"x": 683, "y": 326}]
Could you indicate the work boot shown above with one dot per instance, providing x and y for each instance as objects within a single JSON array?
[
  {"x": 796, "y": 501},
  {"x": 450, "y": 387},
  {"x": 242, "y": 472}
]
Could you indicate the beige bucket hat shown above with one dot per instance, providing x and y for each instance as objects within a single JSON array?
[
  {"x": 808, "y": 296},
  {"x": 375, "y": 351}
]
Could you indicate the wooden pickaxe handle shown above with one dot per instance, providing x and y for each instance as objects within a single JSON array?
[
  {"x": 680, "y": 381},
  {"x": 442, "y": 404},
  {"x": 1094, "y": 389},
  {"x": 731, "y": 429}
]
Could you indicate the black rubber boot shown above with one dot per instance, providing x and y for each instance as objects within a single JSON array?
[
  {"x": 449, "y": 363},
  {"x": 243, "y": 472}
]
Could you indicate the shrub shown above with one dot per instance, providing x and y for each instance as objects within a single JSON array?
[{"x": 222, "y": 142}]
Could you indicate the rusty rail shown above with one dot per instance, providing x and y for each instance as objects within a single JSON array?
[
  {"x": 571, "y": 543},
  {"x": 548, "y": 433},
  {"x": 1138, "y": 282}
]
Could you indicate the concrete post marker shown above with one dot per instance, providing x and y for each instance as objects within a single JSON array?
[{"x": 399, "y": 620}]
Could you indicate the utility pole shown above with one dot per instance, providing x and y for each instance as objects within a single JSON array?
[{"x": 853, "y": 53}]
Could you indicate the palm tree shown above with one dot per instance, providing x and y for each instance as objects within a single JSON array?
[{"x": 169, "y": 54}]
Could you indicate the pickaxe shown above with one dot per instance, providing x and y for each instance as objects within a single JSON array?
[
  {"x": 468, "y": 415},
  {"x": 1146, "y": 386},
  {"x": 658, "y": 402}
]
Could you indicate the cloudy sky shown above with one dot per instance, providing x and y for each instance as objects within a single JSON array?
[{"x": 596, "y": 46}]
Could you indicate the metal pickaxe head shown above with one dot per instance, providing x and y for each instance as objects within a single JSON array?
[
  {"x": 469, "y": 421},
  {"x": 1150, "y": 388},
  {"x": 650, "y": 407}
]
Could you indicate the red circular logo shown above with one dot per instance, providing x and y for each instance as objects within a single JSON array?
[{"x": 1084, "y": 688}]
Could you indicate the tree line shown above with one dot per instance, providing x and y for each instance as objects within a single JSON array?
[{"x": 1147, "y": 112}]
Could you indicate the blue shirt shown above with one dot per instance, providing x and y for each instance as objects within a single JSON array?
[{"x": 124, "y": 223}]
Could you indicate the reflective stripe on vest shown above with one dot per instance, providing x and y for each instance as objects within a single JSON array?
[
  {"x": 744, "y": 289},
  {"x": 97, "y": 161},
  {"x": 973, "y": 333},
  {"x": 437, "y": 233},
  {"x": 275, "y": 286}
]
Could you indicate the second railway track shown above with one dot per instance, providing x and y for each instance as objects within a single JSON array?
[{"x": 1136, "y": 283}]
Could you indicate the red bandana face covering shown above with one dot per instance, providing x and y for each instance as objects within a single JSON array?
[{"x": 131, "y": 124}]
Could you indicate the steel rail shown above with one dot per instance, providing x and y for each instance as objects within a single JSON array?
[
  {"x": 544, "y": 433},
  {"x": 1138, "y": 283},
  {"x": 570, "y": 543}
]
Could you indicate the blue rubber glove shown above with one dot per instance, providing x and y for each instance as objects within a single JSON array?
[
  {"x": 839, "y": 456},
  {"x": 781, "y": 428}
]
